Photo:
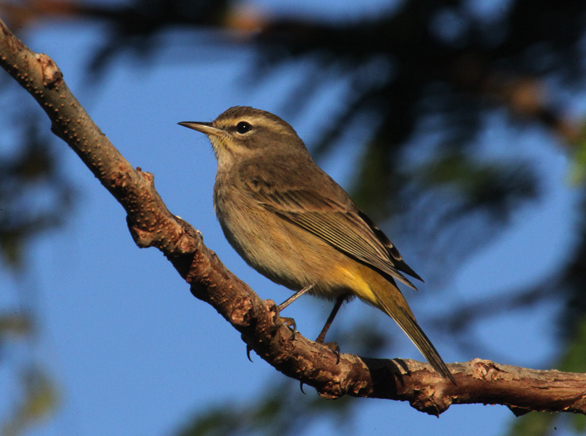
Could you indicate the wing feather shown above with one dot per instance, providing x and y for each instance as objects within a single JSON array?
[{"x": 342, "y": 226}]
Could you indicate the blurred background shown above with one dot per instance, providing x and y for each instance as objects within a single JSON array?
[{"x": 457, "y": 125}]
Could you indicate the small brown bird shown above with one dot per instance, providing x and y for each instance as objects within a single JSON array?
[{"x": 295, "y": 225}]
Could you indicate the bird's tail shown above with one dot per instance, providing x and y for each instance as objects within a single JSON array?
[{"x": 394, "y": 305}]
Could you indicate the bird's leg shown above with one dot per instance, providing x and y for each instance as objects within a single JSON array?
[
  {"x": 290, "y": 322},
  {"x": 294, "y": 297},
  {"x": 322, "y": 336}
]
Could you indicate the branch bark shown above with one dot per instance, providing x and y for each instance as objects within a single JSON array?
[{"x": 152, "y": 225}]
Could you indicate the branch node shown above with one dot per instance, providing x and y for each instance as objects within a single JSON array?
[
  {"x": 432, "y": 400},
  {"x": 52, "y": 75},
  {"x": 119, "y": 179},
  {"x": 187, "y": 244},
  {"x": 240, "y": 315},
  {"x": 149, "y": 177},
  {"x": 143, "y": 238},
  {"x": 488, "y": 370},
  {"x": 271, "y": 307}
]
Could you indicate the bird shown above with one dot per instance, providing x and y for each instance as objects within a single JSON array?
[{"x": 295, "y": 225}]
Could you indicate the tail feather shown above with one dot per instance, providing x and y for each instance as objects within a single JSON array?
[{"x": 406, "y": 320}]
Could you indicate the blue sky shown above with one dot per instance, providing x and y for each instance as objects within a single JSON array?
[{"x": 134, "y": 353}]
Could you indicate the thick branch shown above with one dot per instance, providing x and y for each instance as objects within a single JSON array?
[{"x": 151, "y": 224}]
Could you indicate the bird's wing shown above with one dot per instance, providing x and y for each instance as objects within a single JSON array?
[{"x": 339, "y": 223}]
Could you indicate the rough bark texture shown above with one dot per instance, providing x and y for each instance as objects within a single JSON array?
[{"x": 151, "y": 224}]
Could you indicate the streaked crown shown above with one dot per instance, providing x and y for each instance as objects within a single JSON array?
[
  {"x": 257, "y": 129},
  {"x": 249, "y": 127}
]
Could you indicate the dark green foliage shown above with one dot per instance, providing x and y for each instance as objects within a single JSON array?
[{"x": 280, "y": 411}]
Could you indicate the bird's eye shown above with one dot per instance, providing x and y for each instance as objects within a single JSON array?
[{"x": 242, "y": 127}]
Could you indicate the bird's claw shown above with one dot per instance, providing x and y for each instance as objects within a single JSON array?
[
  {"x": 290, "y": 322},
  {"x": 301, "y": 386},
  {"x": 334, "y": 348}
]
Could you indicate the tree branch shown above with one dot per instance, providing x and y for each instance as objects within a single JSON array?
[{"x": 151, "y": 224}]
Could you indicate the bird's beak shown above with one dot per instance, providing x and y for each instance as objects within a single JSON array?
[{"x": 202, "y": 127}]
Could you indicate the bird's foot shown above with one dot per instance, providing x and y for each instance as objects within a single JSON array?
[
  {"x": 334, "y": 348},
  {"x": 290, "y": 322}
]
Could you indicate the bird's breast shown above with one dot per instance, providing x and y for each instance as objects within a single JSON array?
[{"x": 275, "y": 247}]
